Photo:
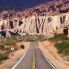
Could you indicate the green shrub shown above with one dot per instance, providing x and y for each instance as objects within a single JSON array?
[
  {"x": 22, "y": 46},
  {"x": 66, "y": 51},
  {"x": 58, "y": 37},
  {"x": 62, "y": 48},
  {"x": 3, "y": 57}
]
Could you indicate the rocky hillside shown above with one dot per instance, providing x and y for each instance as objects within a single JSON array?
[{"x": 49, "y": 8}]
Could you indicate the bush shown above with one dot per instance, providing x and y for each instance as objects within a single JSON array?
[
  {"x": 1, "y": 47},
  {"x": 62, "y": 48},
  {"x": 58, "y": 37},
  {"x": 3, "y": 57},
  {"x": 22, "y": 46},
  {"x": 66, "y": 51}
]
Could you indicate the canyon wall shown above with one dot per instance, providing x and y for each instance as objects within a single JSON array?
[{"x": 46, "y": 25}]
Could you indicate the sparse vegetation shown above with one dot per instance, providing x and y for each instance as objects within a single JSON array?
[
  {"x": 62, "y": 48},
  {"x": 5, "y": 47},
  {"x": 32, "y": 38},
  {"x": 9, "y": 41},
  {"x": 58, "y": 37},
  {"x": 3, "y": 57},
  {"x": 1, "y": 47}
]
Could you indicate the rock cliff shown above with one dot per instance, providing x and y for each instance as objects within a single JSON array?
[{"x": 46, "y": 25}]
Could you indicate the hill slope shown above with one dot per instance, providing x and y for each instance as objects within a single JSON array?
[{"x": 48, "y": 8}]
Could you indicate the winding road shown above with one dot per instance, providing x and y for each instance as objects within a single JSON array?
[{"x": 40, "y": 60}]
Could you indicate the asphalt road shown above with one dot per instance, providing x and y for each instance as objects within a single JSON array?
[
  {"x": 40, "y": 61},
  {"x": 26, "y": 62}
]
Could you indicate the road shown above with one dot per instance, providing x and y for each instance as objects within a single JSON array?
[
  {"x": 40, "y": 61},
  {"x": 26, "y": 62}
]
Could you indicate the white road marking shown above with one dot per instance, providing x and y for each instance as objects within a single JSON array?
[
  {"x": 49, "y": 60},
  {"x": 20, "y": 60}
]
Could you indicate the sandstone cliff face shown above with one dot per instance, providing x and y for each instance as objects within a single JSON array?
[{"x": 46, "y": 25}]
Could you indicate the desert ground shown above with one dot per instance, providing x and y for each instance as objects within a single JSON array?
[
  {"x": 14, "y": 56},
  {"x": 51, "y": 53}
]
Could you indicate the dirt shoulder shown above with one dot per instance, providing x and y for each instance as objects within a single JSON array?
[
  {"x": 51, "y": 53},
  {"x": 14, "y": 57}
]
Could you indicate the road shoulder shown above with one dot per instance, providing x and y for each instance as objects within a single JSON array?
[{"x": 57, "y": 63}]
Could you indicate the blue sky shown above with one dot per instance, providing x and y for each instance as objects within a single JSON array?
[{"x": 20, "y": 3}]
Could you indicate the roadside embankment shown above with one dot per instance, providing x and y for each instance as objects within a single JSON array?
[
  {"x": 51, "y": 53},
  {"x": 14, "y": 56}
]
